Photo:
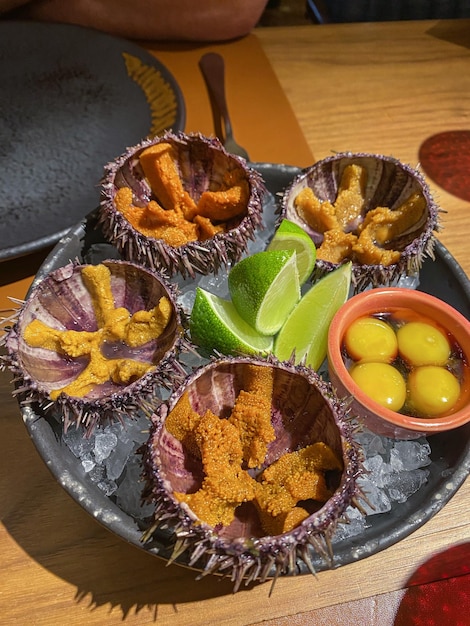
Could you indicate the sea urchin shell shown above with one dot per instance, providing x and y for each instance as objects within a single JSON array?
[
  {"x": 384, "y": 224},
  {"x": 303, "y": 415},
  {"x": 182, "y": 203},
  {"x": 92, "y": 342}
]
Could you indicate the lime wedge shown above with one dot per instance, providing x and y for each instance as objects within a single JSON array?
[
  {"x": 215, "y": 325},
  {"x": 264, "y": 288},
  {"x": 291, "y": 236},
  {"x": 306, "y": 329}
]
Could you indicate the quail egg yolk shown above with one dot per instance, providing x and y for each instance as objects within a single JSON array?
[
  {"x": 382, "y": 383},
  {"x": 422, "y": 344},
  {"x": 433, "y": 390},
  {"x": 371, "y": 339}
]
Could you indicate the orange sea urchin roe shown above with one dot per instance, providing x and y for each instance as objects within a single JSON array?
[
  {"x": 114, "y": 324},
  {"x": 173, "y": 214},
  {"x": 227, "y": 446},
  {"x": 225, "y": 484},
  {"x": 251, "y": 415}
]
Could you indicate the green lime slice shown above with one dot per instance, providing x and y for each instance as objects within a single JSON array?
[
  {"x": 306, "y": 329},
  {"x": 215, "y": 325},
  {"x": 291, "y": 236},
  {"x": 264, "y": 288}
]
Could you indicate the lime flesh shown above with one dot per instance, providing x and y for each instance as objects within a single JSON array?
[
  {"x": 216, "y": 325},
  {"x": 291, "y": 236},
  {"x": 264, "y": 288},
  {"x": 305, "y": 331}
]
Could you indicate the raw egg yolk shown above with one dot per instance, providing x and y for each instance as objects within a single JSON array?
[
  {"x": 382, "y": 383},
  {"x": 371, "y": 339},
  {"x": 433, "y": 390},
  {"x": 423, "y": 344}
]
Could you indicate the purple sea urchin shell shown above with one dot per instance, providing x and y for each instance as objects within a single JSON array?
[
  {"x": 304, "y": 410},
  {"x": 201, "y": 163},
  {"x": 389, "y": 183},
  {"x": 62, "y": 302}
]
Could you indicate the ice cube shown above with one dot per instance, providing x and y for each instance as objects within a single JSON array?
[
  {"x": 376, "y": 467},
  {"x": 108, "y": 486},
  {"x": 357, "y": 524},
  {"x": 105, "y": 442},
  {"x": 378, "y": 501},
  {"x": 216, "y": 284},
  {"x": 116, "y": 461},
  {"x": 371, "y": 443},
  {"x": 76, "y": 441},
  {"x": 88, "y": 462},
  {"x": 401, "y": 485},
  {"x": 410, "y": 455}
]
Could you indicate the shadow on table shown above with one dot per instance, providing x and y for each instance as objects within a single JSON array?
[
  {"x": 458, "y": 34},
  {"x": 12, "y": 270},
  {"x": 53, "y": 530}
]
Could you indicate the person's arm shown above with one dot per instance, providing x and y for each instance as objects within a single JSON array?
[
  {"x": 9, "y": 5},
  {"x": 201, "y": 20}
]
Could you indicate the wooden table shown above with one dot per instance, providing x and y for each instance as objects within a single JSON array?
[{"x": 373, "y": 87}]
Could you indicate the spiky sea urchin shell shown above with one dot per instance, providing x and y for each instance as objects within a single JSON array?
[
  {"x": 389, "y": 183},
  {"x": 304, "y": 410},
  {"x": 202, "y": 163},
  {"x": 61, "y": 301}
]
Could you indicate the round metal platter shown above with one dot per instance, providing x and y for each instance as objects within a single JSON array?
[{"x": 450, "y": 452}]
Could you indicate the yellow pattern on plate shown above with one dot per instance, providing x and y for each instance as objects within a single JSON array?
[{"x": 159, "y": 94}]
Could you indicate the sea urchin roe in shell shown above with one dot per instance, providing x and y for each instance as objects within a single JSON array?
[
  {"x": 225, "y": 447},
  {"x": 251, "y": 415},
  {"x": 296, "y": 476},
  {"x": 114, "y": 324},
  {"x": 173, "y": 214},
  {"x": 225, "y": 484},
  {"x": 348, "y": 234}
]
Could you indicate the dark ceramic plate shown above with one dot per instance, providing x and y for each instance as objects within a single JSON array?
[
  {"x": 71, "y": 100},
  {"x": 450, "y": 451}
]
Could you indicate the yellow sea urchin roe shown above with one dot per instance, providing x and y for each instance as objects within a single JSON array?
[
  {"x": 371, "y": 339},
  {"x": 420, "y": 343},
  {"x": 382, "y": 383},
  {"x": 433, "y": 390},
  {"x": 114, "y": 324}
]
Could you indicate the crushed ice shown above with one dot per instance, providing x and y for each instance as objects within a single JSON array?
[{"x": 395, "y": 470}]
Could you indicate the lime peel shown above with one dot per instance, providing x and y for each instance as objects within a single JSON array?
[
  {"x": 291, "y": 236},
  {"x": 264, "y": 288},
  {"x": 304, "y": 335},
  {"x": 215, "y": 324}
]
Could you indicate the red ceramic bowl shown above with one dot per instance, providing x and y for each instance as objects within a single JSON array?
[{"x": 377, "y": 418}]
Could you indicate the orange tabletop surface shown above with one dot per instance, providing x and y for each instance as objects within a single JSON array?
[{"x": 294, "y": 93}]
